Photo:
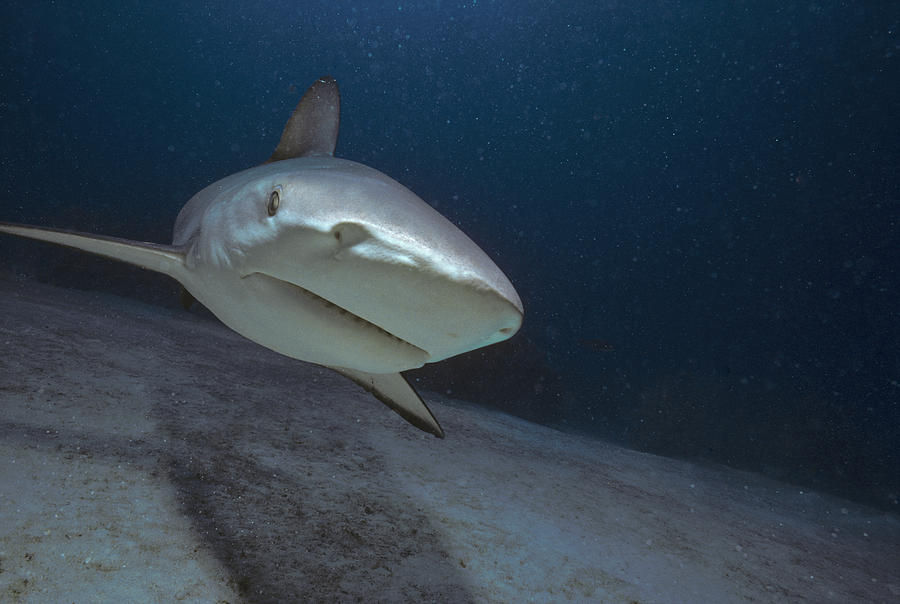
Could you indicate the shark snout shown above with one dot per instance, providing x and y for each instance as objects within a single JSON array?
[{"x": 441, "y": 305}]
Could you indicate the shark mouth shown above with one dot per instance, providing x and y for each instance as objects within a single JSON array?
[{"x": 336, "y": 312}]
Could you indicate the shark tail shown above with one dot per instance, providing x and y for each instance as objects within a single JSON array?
[
  {"x": 393, "y": 390},
  {"x": 165, "y": 259}
]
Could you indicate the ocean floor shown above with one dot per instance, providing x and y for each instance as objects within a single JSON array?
[{"x": 152, "y": 455}]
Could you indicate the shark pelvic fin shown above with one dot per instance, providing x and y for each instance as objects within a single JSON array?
[
  {"x": 393, "y": 390},
  {"x": 165, "y": 259},
  {"x": 313, "y": 127}
]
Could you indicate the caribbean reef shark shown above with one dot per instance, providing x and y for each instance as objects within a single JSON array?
[{"x": 328, "y": 261}]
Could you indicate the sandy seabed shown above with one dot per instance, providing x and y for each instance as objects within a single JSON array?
[{"x": 152, "y": 455}]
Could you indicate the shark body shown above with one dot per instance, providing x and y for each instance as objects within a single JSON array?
[{"x": 328, "y": 261}]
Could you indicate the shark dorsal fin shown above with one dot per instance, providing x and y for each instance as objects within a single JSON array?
[{"x": 313, "y": 127}]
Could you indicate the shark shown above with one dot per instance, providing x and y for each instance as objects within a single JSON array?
[{"x": 328, "y": 261}]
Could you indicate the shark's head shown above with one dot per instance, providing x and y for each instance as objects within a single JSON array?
[{"x": 355, "y": 256}]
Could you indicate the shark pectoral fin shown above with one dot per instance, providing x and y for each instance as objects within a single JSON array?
[
  {"x": 393, "y": 390},
  {"x": 164, "y": 259}
]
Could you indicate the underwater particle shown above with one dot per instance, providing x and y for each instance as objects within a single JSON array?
[{"x": 596, "y": 345}]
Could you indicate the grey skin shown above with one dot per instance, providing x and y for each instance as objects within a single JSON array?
[{"x": 328, "y": 261}]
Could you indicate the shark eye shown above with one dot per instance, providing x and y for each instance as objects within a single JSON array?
[{"x": 274, "y": 200}]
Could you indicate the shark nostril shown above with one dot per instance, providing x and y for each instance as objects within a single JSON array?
[
  {"x": 348, "y": 234},
  {"x": 505, "y": 330}
]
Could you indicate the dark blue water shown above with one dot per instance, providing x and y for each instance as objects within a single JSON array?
[{"x": 698, "y": 202}]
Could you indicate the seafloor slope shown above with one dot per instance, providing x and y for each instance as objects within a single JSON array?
[{"x": 153, "y": 455}]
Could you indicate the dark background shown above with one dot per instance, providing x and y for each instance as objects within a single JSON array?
[{"x": 697, "y": 201}]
